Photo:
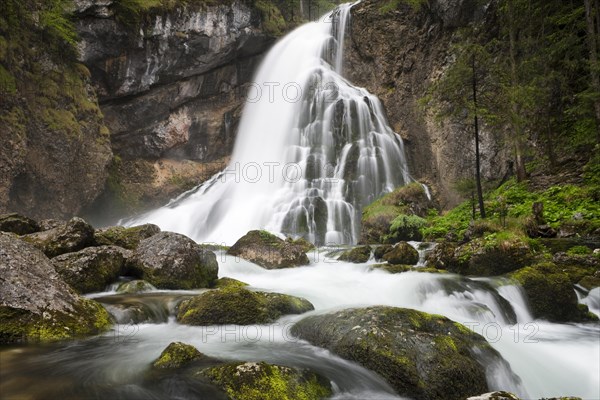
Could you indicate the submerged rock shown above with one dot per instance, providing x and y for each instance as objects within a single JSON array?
[
  {"x": 402, "y": 253},
  {"x": 70, "y": 237},
  {"x": 133, "y": 287},
  {"x": 176, "y": 355},
  {"x": 550, "y": 294},
  {"x": 172, "y": 261},
  {"x": 252, "y": 381},
  {"x": 269, "y": 251},
  {"x": 421, "y": 355},
  {"x": 35, "y": 304},
  {"x": 19, "y": 224},
  {"x": 357, "y": 255},
  {"x": 128, "y": 238},
  {"x": 239, "y": 306},
  {"x": 91, "y": 269}
]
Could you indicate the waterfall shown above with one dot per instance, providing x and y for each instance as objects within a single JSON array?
[{"x": 311, "y": 150}]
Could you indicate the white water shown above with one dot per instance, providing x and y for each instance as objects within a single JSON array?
[{"x": 311, "y": 151}]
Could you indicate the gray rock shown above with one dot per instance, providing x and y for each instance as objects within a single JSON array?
[
  {"x": 35, "y": 304},
  {"x": 495, "y": 396},
  {"x": 18, "y": 224},
  {"x": 91, "y": 269},
  {"x": 421, "y": 355},
  {"x": 173, "y": 261},
  {"x": 128, "y": 238},
  {"x": 269, "y": 251},
  {"x": 402, "y": 253},
  {"x": 70, "y": 237}
]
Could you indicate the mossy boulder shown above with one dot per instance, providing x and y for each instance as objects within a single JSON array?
[
  {"x": 269, "y": 251},
  {"x": 239, "y": 306},
  {"x": 128, "y": 238},
  {"x": 172, "y": 261},
  {"x": 227, "y": 283},
  {"x": 74, "y": 235},
  {"x": 406, "y": 206},
  {"x": 176, "y": 355},
  {"x": 442, "y": 255},
  {"x": 420, "y": 355},
  {"x": 35, "y": 303},
  {"x": 550, "y": 293},
  {"x": 304, "y": 244},
  {"x": 380, "y": 251},
  {"x": 18, "y": 224},
  {"x": 402, "y": 253},
  {"x": 91, "y": 269},
  {"x": 492, "y": 255},
  {"x": 257, "y": 381},
  {"x": 135, "y": 286},
  {"x": 357, "y": 255}
]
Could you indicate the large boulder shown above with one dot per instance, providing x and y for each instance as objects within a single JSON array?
[
  {"x": 128, "y": 238},
  {"x": 236, "y": 305},
  {"x": 250, "y": 381},
  {"x": 550, "y": 293},
  {"x": 402, "y": 253},
  {"x": 91, "y": 269},
  {"x": 357, "y": 255},
  {"x": 172, "y": 261},
  {"x": 269, "y": 251},
  {"x": 176, "y": 355},
  {"x": 35, "y": 304},
  {"x": 422, "y": 356},
  {"x": 18, "y": 224},
  {"x": 72, "y": 236}
]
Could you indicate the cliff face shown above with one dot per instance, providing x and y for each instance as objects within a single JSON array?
[{"x": 396, "y": 55}]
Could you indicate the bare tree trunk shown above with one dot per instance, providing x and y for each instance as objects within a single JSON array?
[
  {"x": 518, "y": 129},
  {"x": 477, "y": 155},
  {"x": 593, "y": 59}
]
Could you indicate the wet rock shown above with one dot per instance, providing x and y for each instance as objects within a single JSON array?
[
  {"x": 128, "y": 238},
  {"x": 70, "y": 237},
  {"x": 18, "y": 224},
  {"x": 176, "y": 355},
  {"x": 495, "y": 396},
  {"x": 225, "y": 283},
  {"x": 304, "y": 244},
  {"x": 550, "y": 294},
  {"x": 251, "y": 380},
  {"x": 357, "y": 255},
  {"x": 399, "y": 268},
  {"x": 442, "y": 256},
  {"x": 91, "y": 269},
  {"x": 402, "y": 253},
  {"x": 268, "y": 251},
  {"x": 380, "y": 251},
  {"x": 239, "y": 306},
  {"x": 421, "y": 355},
  {"x": 35, "y": 304},
  {"x": 133, "y": 287},
  {"x": 172, "y": 261}
]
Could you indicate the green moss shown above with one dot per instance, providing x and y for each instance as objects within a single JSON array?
[
  {"x": 357, "y": 255},
  {"x": 176, "y": 355},
  {"x": 132, "y": 287},
  {"x": 391, "y": 5},
  {"x": 235, "y": 305},
  {"x": 128, "y": 238},
  {"x": 257, "y": 381},
  {"x": 405, "y": 227},
  {"x": 229, "y": 283},
  {"x": 579, "y": 250}
]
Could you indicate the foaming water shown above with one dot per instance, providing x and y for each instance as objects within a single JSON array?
[{"x": 311, "y": 150}]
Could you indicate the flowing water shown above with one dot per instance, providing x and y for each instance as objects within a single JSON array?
[
  {"x": 311, "y": 151},
  {"x": 541, "y": 359},
  {"x": 308, "y": 156}
]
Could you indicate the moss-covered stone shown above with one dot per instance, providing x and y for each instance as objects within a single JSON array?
[
  {"x": 172, "y": 261},
  {"x": 128, "y": 238},
  {"x": 135, "y": 286},
  {"x": 357, "y": 255},
  {"x": 410, "y": 200},
  {"x": 399, "y": 268},
  {"x": 258, "y": 381},
  {"x": 91, "y": 269},
  {"x": 550, "y": 293},
  {"x": 269, "y": 251},
  {"x": 176, "y": 355},
  {"x": 227, "y": 283},
  {"x": 442, "y": 256},
  {"x": 380, "y": 251},
  {"x": 420, "y": 355},
  {"x": 304, "y": 244},
  {"x": 18, "y": 224},
  {"x": 402, "y": 253},
  {"x": 73, "y": 236},
  {"x": 234, "y": 305}
]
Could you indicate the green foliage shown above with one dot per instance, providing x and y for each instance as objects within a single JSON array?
[
  {"x": 579, "y": 251},
  {"x": 391, "y": 5}
]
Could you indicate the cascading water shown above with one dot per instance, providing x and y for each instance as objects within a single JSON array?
[{"x": 311, "y": 151}]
